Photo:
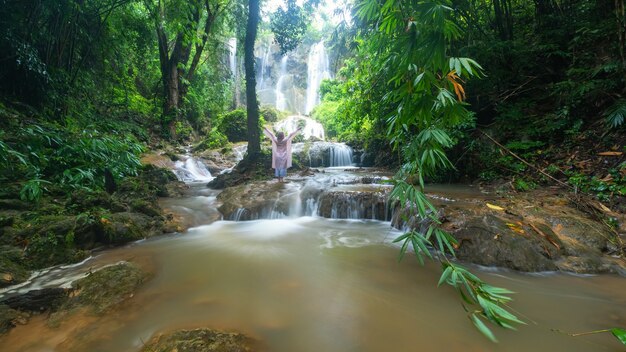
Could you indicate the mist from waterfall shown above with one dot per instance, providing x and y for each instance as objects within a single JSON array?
[
  {"x": 311, "y": 128},
  {"x": 281, "y": 101},
  {"x": 317, "y": 70}
]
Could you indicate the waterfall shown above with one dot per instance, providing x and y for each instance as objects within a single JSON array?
[
  {"x": 232, "y": 57},
  {"x": 317, "y": 70},
  {"x": 265, "y": 64},
  {"x": 281, "y": 101},
  {"x": 340, "y": 155},
  {"x": 311, "y": 128},
  {"x": 192, "y": 170},
  {"x": 324, "y": 154}
]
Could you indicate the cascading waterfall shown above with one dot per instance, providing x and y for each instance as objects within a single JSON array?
[
  {"x": 317, "y": 70},
  {"x": 265, "y": 64},
  {"x": 340, "y": 155},
  {"x": 192, "y": 170},
  {"x": 232, "y": 57},
  {"x": 324, "y": 154},
  {"x": 333, "y": 194},
  {"x": 281, "y": 101}
]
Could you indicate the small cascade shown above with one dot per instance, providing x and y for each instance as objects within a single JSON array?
[
  {"x": 312, "y": 128},
  {"x": 192, "y": 170},
  {"x": 324, "y": 154},
  {"x": 317, "y": 70},
  {"x": 336, "y": 194},
  {"x": 239, "y": 151},
  {"x": 340, "y": 155},
  {"x": 281, "y": 100}
]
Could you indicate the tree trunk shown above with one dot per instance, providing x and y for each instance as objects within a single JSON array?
[{"x": 254, "y": 141}]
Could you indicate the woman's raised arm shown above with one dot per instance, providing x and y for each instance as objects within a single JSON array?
[{"x": 269, "y": 134}]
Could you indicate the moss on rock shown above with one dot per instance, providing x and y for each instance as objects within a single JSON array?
[
  {"x": 12, "y": 269},
  {"x": 200, "y": 340},
  {"x": 108, "y": 287}
]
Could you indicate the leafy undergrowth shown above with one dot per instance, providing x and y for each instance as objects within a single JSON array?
[{"x": 590, "y": 161}]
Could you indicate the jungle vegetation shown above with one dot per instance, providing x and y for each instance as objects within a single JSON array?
[{"x": 526, "y": 92}]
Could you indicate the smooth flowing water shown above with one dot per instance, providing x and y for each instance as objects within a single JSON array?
[{"x": 315, "y": 284}]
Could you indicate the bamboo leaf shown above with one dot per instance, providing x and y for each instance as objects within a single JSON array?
[
  {"x": 620, "y": 334},
  {"x": 482, "y": 328}
]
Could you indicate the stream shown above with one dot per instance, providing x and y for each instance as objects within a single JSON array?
[{"x": 308, "y": 283}]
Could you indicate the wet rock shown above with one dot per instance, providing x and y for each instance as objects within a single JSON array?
[
  {"x": 354, "y": 205},
  {"x": 245, "y": 172},
  {"x": 37, "y": 300},
  {"x": 523, "y": 234},
  {"x": 106, "y": 288},
  {"x": 489, "y": 241},
  {"x": 200, "y": 340},
  {"x": 249, "y": 201},
  {"x": 126, "y": 227},
  {"x": 7, "y": 318}
]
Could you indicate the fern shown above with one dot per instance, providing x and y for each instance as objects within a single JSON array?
[{"x": 616, "y": 114}]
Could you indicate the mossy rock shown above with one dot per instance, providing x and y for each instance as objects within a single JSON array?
[
  {"x": 82, "y": 200},
  {"x": 107, "y": 287},
  {"x": 7, "y": 318},
  {"x": 12, "y": 269},
  {"x": 125, "y": 227},
  {"x": 145, "y": 207},
  {"x": 200, "y": 340},
  {"x": 246, "y": 171},
  {"x": 48, "y": 249}
]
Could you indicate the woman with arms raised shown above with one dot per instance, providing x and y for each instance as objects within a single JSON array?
[{"x": 281, "y": 151}]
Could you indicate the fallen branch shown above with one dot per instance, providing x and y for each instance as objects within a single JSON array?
[{"x": 524, "y": 161}]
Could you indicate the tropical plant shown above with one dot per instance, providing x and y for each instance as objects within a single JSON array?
[{"x": 425, "y": 98}]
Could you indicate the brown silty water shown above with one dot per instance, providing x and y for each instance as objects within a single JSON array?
[{"x": 314, "y": 284}]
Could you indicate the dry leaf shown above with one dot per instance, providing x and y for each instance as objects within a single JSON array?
[
  {"x": 516, "y": 228},
  {"x": 604, "y": 207},
  {"x": 610, "y": 153},
  {"x": 494, "y": 207}
]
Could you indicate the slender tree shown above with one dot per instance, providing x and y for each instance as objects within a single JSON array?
[
  {"x": 252, "y": 106},
  {"x": 189, "y": 23}
]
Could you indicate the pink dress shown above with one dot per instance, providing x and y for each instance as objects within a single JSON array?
[{"x": 281, "y": 150}]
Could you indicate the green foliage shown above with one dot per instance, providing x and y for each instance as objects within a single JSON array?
[
  {"x": 234, "y": 125},
  {"x": 523, "y": 185},
  {"x": 616, "y": 114},
  {"x": 46, "y": 154},
  {"x": 270, "y": 114},
  {"x": 289, "y": 26},
  {"x": 620, "y": 334},
  {"x": 418, "y": 87},
  {"x": 604, "y": 189},
  {"x": 215, "y": 140}
]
